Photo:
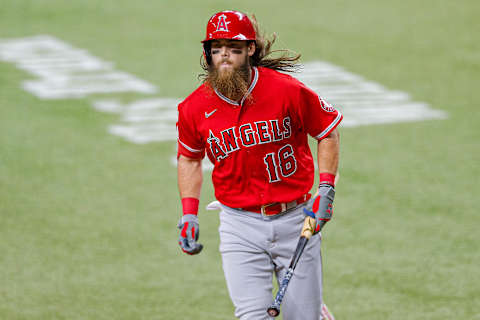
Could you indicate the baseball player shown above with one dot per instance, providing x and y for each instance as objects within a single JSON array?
[{"x": 253, "y": 122}]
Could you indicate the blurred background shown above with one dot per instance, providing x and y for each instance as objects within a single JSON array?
[{"x": 88, "y": 195}]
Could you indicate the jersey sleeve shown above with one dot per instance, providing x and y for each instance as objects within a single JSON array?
[
  {"x": 189, "y": 140},
  {"x": 318, "y": 117}
]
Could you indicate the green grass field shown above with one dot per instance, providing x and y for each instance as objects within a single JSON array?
[{"x": 88, "y": 220}]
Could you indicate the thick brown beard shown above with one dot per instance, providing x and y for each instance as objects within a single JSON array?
[{"x": 233, "y": 84}]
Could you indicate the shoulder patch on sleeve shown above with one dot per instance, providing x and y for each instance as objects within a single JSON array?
[{"x": 325, "y": 105}]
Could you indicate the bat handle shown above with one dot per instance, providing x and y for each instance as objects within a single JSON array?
[
  {"x": 308, "y": 229},
  {"x": 273, "y": 311}
]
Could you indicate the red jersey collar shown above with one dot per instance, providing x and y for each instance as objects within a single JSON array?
[{"x": 250, "y": 89}]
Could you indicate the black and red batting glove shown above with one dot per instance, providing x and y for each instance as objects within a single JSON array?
[
  {"x": 320, "y": 206},
  {"x": 189, "y": 227}
]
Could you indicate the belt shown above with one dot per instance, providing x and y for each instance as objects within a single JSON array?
[{"x": 274, "y": 208}]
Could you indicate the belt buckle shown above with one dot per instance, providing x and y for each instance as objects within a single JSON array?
[{"x": 265, "y": 206}]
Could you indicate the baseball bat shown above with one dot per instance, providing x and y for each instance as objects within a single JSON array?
[{"x": 307, "y": 231}]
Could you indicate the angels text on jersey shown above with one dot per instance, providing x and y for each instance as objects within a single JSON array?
[
  {"x": 247, "y": 135},
  {"x": 278, "y": 164}
]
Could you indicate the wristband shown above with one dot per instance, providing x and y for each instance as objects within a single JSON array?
[
  {"x": 190, "y": 206},
  {"x": 327, "y": 178}
]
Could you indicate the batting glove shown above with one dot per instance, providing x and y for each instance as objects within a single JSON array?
[
  {"x": 320, "y": 206},
  {"x": 189, "y": 233}
]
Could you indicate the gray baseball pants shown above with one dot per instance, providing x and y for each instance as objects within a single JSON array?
[{"x": 253, "y": 248}]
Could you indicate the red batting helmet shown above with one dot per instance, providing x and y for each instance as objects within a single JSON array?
[{"x": 230, "y": 24}]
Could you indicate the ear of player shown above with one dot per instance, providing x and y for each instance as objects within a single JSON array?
[
  {"x": 190, "y": 231},
  {"x": 320, "y": 206}
]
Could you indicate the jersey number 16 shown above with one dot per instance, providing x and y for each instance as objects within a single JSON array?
[{"x": 281, "y": 163}]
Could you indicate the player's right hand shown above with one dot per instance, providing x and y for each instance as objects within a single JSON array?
[
  {"x": 320, "y": 206},
  {"x": 189, "y": 232}
]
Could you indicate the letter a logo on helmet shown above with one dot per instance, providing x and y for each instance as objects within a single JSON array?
[
  {"x": 230, "y": 24},
  {"x": 222, "y": 24}
]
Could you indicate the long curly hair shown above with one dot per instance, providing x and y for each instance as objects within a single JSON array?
[
  {"x": 281, "y": 60},
  {"x": 286, "y": 60}
]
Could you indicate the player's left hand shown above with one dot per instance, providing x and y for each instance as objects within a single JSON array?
[
  {"x": 320, "y": 206},
  {"x": 189, "y": 233}
]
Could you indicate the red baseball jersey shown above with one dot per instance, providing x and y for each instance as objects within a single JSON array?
[{"x": 259, "y": 147}]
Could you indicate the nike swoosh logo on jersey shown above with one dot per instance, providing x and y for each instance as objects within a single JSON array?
[{"x": 207, "y": 115}]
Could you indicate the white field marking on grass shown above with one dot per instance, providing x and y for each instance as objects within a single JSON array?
[
  {"x": 67, "y": 72},
  {"x": 363, "y": 102},
  {"x": 143, "y": 121},
  {"x": 64, "y": 71}
]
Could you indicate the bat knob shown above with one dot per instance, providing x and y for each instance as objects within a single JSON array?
[{"x": 273, "y": 311}]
